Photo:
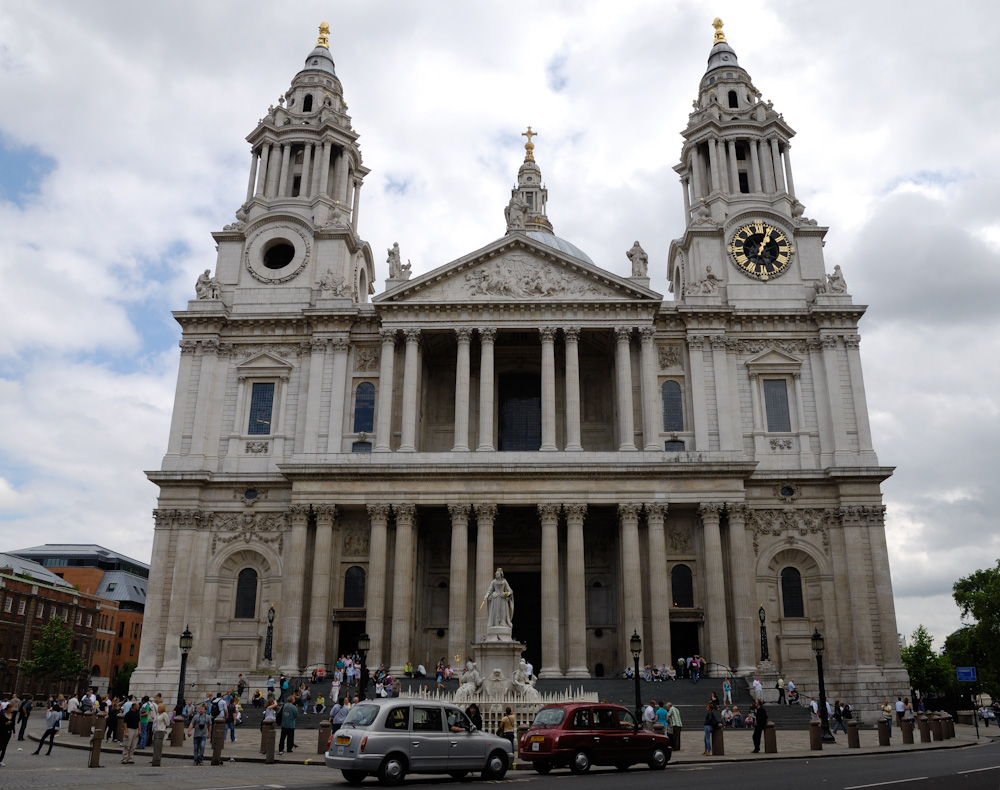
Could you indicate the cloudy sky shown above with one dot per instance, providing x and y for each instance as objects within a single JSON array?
[{"x": 122, "y": 147}]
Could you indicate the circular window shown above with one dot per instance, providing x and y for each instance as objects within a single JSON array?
[
  {"x": 440, "y": 633},
  {"x": 278, "y": 254},
  {"x": 528, "y": 178},
  {"x": 787, "y": 491},
  {"x": 598, "y": 633},
  {"x": 250, "y": 493}
]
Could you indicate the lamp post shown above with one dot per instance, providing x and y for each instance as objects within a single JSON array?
[
  {"x": 186, "y": 641},
  {"x": 269, "y": 641},
  {"x": 364, "y": 645},
  {"x": 824, "y": 719},
  {"x": 764, "y": 654},
  {"x": 635, "y": 645}
]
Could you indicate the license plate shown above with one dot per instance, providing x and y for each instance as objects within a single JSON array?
[
  {"x": 344, "y": 739},
  {"x": 537, "y": 738},
  {"x": 534, "y": 747}
]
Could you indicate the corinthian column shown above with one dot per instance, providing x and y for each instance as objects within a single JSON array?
[
  {"x": 402, "y": 597},
  {"x": 572, "y": 335},
  {"x": 659, "y": 587},
  {"x": 292, "y": 586},
  {"x": 464, "y": 335},
  {"x": 487, "y": 337},
  {"x": 485, "y": 516},
  {"x": 631, "y": 578},
  {"x": 650, "y": 413},
  {"x": 715, "y": 585},
  {"x": 548, "y": 334},
  {"x": 741, "y": 585},
  {"x": 321, "y": 603},
  {"x": 335, "y": 438},
  {"x": 576, "y": 594},
  {"x": 458, "y": 582},
  {"x": 549, "y": 515},
  {"x": 410, "y": 373},
  {"x": 378, "y": 550},
  {"x": 385, "y": 386},
  {"x": 623, "y": 370}
]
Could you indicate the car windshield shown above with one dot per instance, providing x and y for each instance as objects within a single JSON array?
[
  {"x": 361, "y": 715},
  {"x": 549, "y": 717}
]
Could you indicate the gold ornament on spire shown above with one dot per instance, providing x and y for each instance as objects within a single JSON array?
[
  {"x": 529, "y": 147},
  {"x": 324, "y": 35},
  {"x": 720, "y": 37}
]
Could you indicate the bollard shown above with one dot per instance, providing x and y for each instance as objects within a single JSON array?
[
  {"x": 936, "y": 732},
  {"x": 96, "y": 742},
  {"x": 269, "y": 746},
  {"x": 265, "y": 728},
  {"x": 87, "y": 725},
  {"x": 158, "y": 747},
  {"x": 659, "y": 729},
  {"x": 853, "y": 737},
  {"x": 177, "y": 732},
  {"x": 323, "y": 741},
  {"x": 925, "y": 729},
  {"x": 883, "y": 732},
  {"x": 120, "y": 728},
  {"x": 718, "y": 742},
  {"x": 815, "y": 737},
  {"x": 218, "y": 739},
  {"x": 906, "y": 727},
  {"x": 949, "y": 727},
  {"x": 74, "y": 723},
  {"x": 770, "y": 739}
]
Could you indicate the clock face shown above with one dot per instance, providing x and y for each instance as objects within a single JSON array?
[{"x": 761, "y": 250}]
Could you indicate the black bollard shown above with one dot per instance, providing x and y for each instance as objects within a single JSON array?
[
  {"x": 906, "y": 728},
  {"x": 925, "y": 728},
  {"x": 853, "y": 737},
  {"x": 218, "y": 739},
  {"x": 323, "y": 741},
  {"x": 718, "y": 742},
  {"x": 177, "y": 732},
  {"x": 815, "y": 737},
  {"x": 97, "y": 741},
  {"x": 269, "y": 747},
  {"x": 937, "y": 733},
  {"x": 770, "y": 739},
  {"x": 883, "y": 732}
]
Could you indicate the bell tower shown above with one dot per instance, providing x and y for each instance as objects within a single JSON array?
[
  {"x": 746, "y": 240},
  {"x": 526, "y": 209}
]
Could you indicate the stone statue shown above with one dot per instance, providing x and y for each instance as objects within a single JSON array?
[
  {"x": 708, "y": 286},
  {"x": 499, "y": 600},
  {"x": 520, "y": 682},
  {"x": 472, "y": 676},
  {"x": 333, "y": 283},
  {"x": 404, "y": 270},
  {"x": 835, "y": 282},
  {"x": 207, "y": 286},
  {"x": 516, "y": 212},
  {"x": 395, "y": 268},
  {"x": 639, "y": 260}
]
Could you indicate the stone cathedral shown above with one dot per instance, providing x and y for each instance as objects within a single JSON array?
[{"x": 362, "y": 462}]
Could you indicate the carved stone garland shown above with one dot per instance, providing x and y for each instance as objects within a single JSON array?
[{"x": 792, "y": 524}]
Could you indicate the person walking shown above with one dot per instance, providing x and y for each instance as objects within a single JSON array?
[
  {"x": 674, "y": 719},
  {"x": 52, "y": 721},
  {"x": 781, "y": 690},
  {"x": 161, "y": 723},
  {"x": 289, "y": 713},
  {"x": 201, "y": 724},
  {"x": 25, "y": 712},
  {"x": 130, "y": 737},
  {"x": 6, "y": 730},
  {"x": 711, "y": 722},
  {"x": 760, "y": 722},
  {"x": 338, "y": 712}
]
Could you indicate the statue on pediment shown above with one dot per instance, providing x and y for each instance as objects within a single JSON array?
[
  {"x": 640, "y": 261},
  {"x": 207, "y": 286},
  {"x": 516, "y": 212},
  {"x": 395, "y": 267}
]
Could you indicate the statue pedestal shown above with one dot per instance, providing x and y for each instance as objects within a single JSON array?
[{"x": 504, "y": 656}]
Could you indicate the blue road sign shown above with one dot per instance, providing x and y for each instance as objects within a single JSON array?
[{"x": 966, "y": 674}]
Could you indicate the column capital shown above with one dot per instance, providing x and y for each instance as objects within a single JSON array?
[
  {"x": 718, "y": 341},
  {"x": 463, "y": 334},
  {"x": 485, "y": 511},
  {"x": 852, "y": 341},
  {"x": 326, "y": 515},
  {"x": 459, "y": 514},
  {"x": 412, "y": 335},
  {"x": 695, "y": 341},
  {"x": 629, "y": 512},
  {"x": 656, "y": 511},
  {"x": 405, "y": 512},
  {"x": 188, "y": 346},
  {"x": 571, "y": 333},
  {"x": 318, "y": 345},
  {"x": 378, "y": 512},
  {"x": 298, "y": 514},
  {"x": 575, "y": 512},
  {"x": 548, "y": 512},
  {"x": 388, "y": 336},
  {"x": 647, "y": 333},
  {"x": 547, "y": 333},
  {"x": 710, "y": 511},
  {"x": 737, "y": 511},
  {"x": 623, "y": 334},
  {"x": 829, "y": 341},
  {"x": 487, "y": 334},
  {"x": 340, "y": 345}
]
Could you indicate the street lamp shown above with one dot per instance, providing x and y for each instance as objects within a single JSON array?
[
  {"x": 269, "y": 641},
  {"x": 364, "y": 645},
  {"x": 186, "y": 641},
  {"x": 817, "y": 646},
  {"x": 764, "y": 654},
  {"x": 635, "y": 645}
]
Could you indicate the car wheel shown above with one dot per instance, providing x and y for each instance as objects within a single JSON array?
[
  {"x": 543, "y": 768},
  {"x": 457, "y": 774},
  {"x": 580, "y": 763},
  {"x": 354, "y": 777},
  {"x": 659, "y": 758},
  {"x": 392, "y": 770},
  {"x": 496, "y": 766}
]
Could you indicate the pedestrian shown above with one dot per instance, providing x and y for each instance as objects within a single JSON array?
[
  {"x": 111, "y": 725},
  {"x": 780, "y": 685},
  {"x": 130, "y": 736},
  {"x": 887, "y": 714},
  {"x": 6, "y": 730},
  {"x": 146, "y": 713},
  {"x": 269, "y": 685},
  {"x": 760, "y": 722},
  {"x": 711, "y": 723},
  {"x": 230, "y": 717},
  {"x": 791, "y": 691},
  {"x": 241, "y": 685},
  {"x": 52, "y": 721},
  {"x": 200, "y": 725},
  {"x": 289, "y": 713},
  {"x": 838, "y": 717},
  {"x": 160, "y": 725},
  {"x": 508, "y": 725},
  {"x": 727, "y": 692},
  {"x": 25, "y": 711},
  {"x": 661, "y": 715},
  {"x": 758, "y": 689},
  {"x": 649, "y": 715},
  {"x": 338, "y": 712},
  {"x": 900, "y": 707},
  {"x": 674, "y": 718}
]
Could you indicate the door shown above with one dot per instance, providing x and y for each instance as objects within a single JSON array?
[
  {"x": 429, "y": 741},
  {"x": 607, "y": 736},
  {"x": 464, "y": 746},
  {"x": 632, "y": 738}
]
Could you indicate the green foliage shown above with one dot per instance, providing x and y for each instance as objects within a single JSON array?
[
  {"x": 53, "y": 658},
  {"x": 928, "y": 671},
  {"x": 965, "y": 648},
  {"x": 977, "y": 644},
  {"x": 119, "y": 686}
]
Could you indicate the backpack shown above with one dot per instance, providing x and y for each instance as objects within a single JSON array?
[{"x": 216, "y": 709}]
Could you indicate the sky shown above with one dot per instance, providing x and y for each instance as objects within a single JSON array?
[{"x": 122, "y": 147}]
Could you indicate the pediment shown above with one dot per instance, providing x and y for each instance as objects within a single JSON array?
[
  {"x": 264, "y": 365},
  {"x": 773, "y": 359},
  {"x": 516, "y": 269}
]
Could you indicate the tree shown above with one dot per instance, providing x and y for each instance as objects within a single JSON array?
[
  {"x": 977, "y": 644},
  {"x": 928, "y": 671},
  {"x": 119, "y": 686},
  {"x": 53, "y": 658}
]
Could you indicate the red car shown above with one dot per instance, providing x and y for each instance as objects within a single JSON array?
[{"x": 581, "y": 734}]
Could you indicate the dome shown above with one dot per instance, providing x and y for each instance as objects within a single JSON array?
[
  {"x": 320, "y": 60},
  {"x": 550, "y": 240}
]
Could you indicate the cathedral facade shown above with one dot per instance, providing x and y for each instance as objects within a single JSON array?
[{"x": 675, "y": 467}]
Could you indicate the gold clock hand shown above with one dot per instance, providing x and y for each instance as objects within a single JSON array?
[{"x": 767, "y": 238}]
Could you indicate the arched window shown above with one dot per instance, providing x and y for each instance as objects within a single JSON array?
[
  {"x": 673, "y": 407},
  {"x": 733, "y": 99},
  {"x": 246, "y": 594},
  {"x": 791, "y": 593},
  {"x": 682, "y": 586},
  {"x": 354, "y": 588},
  {"x": 307, "y": 103},
  {"x": 364, "y": 408},
  {"x": 95, "y": 671}
]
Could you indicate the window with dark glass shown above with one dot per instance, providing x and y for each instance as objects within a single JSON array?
[
  {"x": 674, "y": 446},
  {"x": 520, "y": 423},
  {"x": 791, "y": 593},
  {"x": 364, "y": 408},
  {"x": 361, "y": 447},
  {"x": 246, "y": 594},
  {"x": 682, "y": 586},
  {"x": 776, "y": 405},
  {"x": 261, "y": 407},
  {"x": 734, "y": 101},
  {"x": 354, "y": 588},
  {"x": 673, "y": 407}
]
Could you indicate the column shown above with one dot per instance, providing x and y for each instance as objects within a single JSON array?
[
  {"x": 758, "y": 419},
  {"x": 265, "y": 151},
  {"x": 717, "y": 637},
  {"x": 686, "y": 188},
  {"x": 722, "y": 394},
  {"x": 779, "y": 178},
  {"x": 410, "y": 372},
  {"x": 576, "y": 594},
  {"x": 788, "y": 170},
  {"x": 860, "y": 603},
  {"x": 713, "y": 165},
  {"x": 458, "y": 584},
  {"x": 883, "y": 585},
  {"x": 273, "y": 170},
  {"x": 357, "y": 205},
  {"x": 734, "y": 174},
  {"x": 180, "y": 585},
  {"x": 695, "y": 343},
  {"x": 487, "y": 338},
  {"x": 324, "y": 172},
  {"x": 253, "y": 175},
  {"x": 486, "y": 513},
  {"x": 742, "y": 588},
  {"x": 549, "y": 516},
  {"x": 464, "y": 335},
  {"x": 321, "y": 597},
  {"x": 548, "y": 334},
  {"x": 292, "y": 588},
  {"x": 378, "y": 551},
  {"x": 659, "y": 583},
  {"x": 203, "y": 404},
  {"x": 335, "y": 433},
  {"x": 188, "y": 348},
  {"x": 572, "y": 337},
  {"x": 650, "y": 401},
  {"x": 628, "y": 516},
  {"x": 317, "y": 359},
  {"x": 317, "y": 165},
  {"x": 805, "y": 452},
  {"x": 385, "y": 385},
  {"x": 286, "y": 155},
  {"x": 402, "y": 590},
  {"x": 832, "y": 369},
  {"x": 853, "y": 343},
  {"x": 720, "y": 152},
  {"x": 623, "y": 371},
  {"x": 699, "y": 189},
  {"x": 305, "y": 184},
  {"x": 755, "y": 167}
]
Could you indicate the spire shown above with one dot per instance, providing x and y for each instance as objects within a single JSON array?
[
  {"x": 324, "y": 35},
  {"x": 526, "y": 209},
  {"x": 719, "y": 35},
  {"x": 529, "y": 147}
]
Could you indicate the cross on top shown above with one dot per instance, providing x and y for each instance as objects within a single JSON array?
[{"x": 529, "y": 146}]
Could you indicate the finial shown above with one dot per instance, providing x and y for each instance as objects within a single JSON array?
[
  {"x": 720, "y": 37},
  {"x": 324, "y": 35},
  {"x": 529, "y": 147}
]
